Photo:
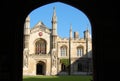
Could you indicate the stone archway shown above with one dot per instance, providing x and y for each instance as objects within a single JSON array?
[{"x": 40, "y": 68}]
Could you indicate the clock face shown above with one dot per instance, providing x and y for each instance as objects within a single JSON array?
[{"x": 40, "y": 33}]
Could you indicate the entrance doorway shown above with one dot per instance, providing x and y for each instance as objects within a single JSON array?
[{"x": 40, "y": 68}]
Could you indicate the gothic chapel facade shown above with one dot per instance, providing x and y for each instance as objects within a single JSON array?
[{"x": 45, "y": 53}]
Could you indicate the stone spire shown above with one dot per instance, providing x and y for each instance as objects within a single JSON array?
[
  {"x": 26, "y": 41},
  {"x": 54, "y": 14},
  {"x": 54, "y": 28},
  {"x": 54, "y": 17},
  {"x": 71, "y": 31},
  {"x": 26, "y": 32},
  {"x": 54, "y": 44},
  {"x": 54, "y": 22},
  {"x": 27, "y": 26},
  {"x": 27, "y": 22}
]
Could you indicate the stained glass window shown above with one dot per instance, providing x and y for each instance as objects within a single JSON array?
[{"x": 40, "y": 47}]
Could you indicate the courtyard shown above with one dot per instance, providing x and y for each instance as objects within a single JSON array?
[{"x": 57, "y": 78}]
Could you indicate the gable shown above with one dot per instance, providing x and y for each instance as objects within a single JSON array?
[{"x": 40, "y": 27}]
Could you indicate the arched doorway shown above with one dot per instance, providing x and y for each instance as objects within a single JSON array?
[{"x": 40, "y": 68}]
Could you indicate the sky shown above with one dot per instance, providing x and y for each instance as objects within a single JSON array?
[{"x": 66, "y": 16}]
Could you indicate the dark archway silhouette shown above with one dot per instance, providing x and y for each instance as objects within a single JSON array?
[
  {"x": 104, "y": 19},
  {"x": 23, "y": 11}
]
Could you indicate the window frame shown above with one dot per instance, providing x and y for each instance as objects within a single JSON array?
[{"x": 63, "y": 50}]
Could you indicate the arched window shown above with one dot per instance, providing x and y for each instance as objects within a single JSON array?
[
  {"x": 40, "y": 47},
  {"x": 79, "y": 51},
  {"x": 63, "y": 50}
]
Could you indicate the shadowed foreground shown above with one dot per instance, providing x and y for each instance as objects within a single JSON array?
[{"x": 57, "y": 78}]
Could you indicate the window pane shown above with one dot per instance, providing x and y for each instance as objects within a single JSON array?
[
  {"x": 79, "y": 51},
  {"x": 63, "y": 51}
]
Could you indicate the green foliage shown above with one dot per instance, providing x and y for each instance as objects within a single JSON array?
[{"x": 65, "y": 61}]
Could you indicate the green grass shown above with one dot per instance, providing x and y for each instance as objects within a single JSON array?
[{"x": 57, "y": 78}]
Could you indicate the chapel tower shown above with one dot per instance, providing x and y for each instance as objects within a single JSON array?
[
  {"x": 26, "y": 41},
  {"x": 54, "y": 44},
  {"x": 54, "y": 28}
]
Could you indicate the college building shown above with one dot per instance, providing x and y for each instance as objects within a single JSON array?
[{"x": 46, "y": 53}]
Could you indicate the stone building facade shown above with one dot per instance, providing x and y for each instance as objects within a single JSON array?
[{"x": 45, "y": 53}]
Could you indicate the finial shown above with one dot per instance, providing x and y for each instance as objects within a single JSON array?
[
  {"x": 28, "y": 18},
  {"x": 87, "y": 28},
  {"x": 70, "y": 31},
  {"x": 70, "y": 26},
  {"x": 54, "y": 9}
]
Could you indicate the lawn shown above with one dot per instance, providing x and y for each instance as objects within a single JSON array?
[{"x": 57, "y": 78}]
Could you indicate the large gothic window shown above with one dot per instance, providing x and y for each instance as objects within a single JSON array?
[
  {"x": 79, "y": 51},
  {"x": 40, "y": 47},
  {"x": 63, "y": 50}
]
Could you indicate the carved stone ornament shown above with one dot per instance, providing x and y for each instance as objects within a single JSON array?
[{"x": 40, "y": 33}]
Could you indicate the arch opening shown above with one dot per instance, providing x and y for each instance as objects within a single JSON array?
[
  {"x": 40, "y": 68},
  {"x": 54, "y": 41}
]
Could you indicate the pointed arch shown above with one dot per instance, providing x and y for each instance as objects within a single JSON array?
[{"x": 40, "y": 68}]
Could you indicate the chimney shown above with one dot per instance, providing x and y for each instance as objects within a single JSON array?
[{"x": 76, "y": 35}]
